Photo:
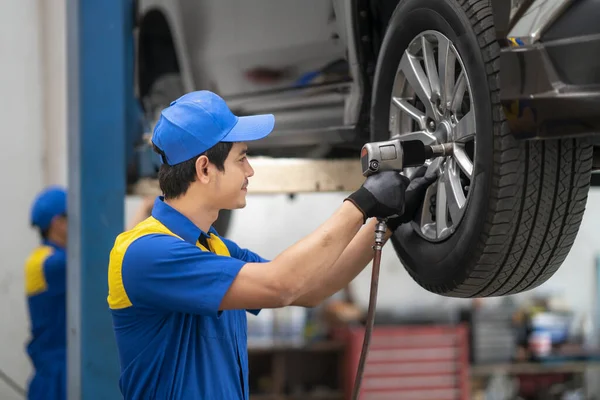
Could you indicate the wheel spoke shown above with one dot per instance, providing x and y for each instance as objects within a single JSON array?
[
  {"x": 423, "y": 136},
  {"x": 425, "y": 219},
  {"x": 459, "y": 92},
  {"x": 441, "y": 83},
  {"x": 462, "y": 160},
  {"x": 411, "y": 110},
  {"x": 441, "y": 207},
  {"x": 465, "y": 129},
  {"x": 418, "y": 80},
  {"x": 446, "y": 61},
  {"x": 431, "y": 68},
  {"x": 455, "y": 196}
]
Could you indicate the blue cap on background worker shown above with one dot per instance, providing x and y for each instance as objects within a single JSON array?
[
  {"x": 48, "y": 207},
  {"x": 45, "y": 288}
]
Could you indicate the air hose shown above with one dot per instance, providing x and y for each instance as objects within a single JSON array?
[{"x": 380, "y": 230}]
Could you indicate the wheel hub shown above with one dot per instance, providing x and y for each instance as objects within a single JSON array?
[{"x": 432, "y": 102}]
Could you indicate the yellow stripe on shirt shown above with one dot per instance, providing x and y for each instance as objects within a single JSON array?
[{"x": 35, "y": 279}]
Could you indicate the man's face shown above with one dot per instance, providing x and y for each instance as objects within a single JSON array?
[
  {"x": 59, "y": 227},
  {"x": 231, "y": 184}
]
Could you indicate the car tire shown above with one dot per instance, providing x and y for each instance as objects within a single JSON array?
[
  {"x": 165, "y": 89},
  {"x": 525, "y": 199}
]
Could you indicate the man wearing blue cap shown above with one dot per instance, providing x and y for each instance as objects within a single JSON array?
[
  {"x": 179, "y": 292},
  {"x": 45, "y": 285}
]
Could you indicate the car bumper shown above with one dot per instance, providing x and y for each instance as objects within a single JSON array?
[{"x": 551, "y": 88}]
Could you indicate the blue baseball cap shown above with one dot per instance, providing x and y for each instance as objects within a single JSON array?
[
  {"x": 49, "y": 203},
  {"x": 197, "y": 121}
]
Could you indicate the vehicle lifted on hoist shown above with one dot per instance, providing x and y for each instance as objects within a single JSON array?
[{"x": 514, "y": 83}]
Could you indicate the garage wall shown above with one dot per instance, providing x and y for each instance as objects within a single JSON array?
[{"x": 21, "y": 113}]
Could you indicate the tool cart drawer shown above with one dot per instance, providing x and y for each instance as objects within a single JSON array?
[{"x": 409, "y": 362}]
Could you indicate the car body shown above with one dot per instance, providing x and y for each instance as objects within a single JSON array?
[
  {"x": 551, "y": 64},
  {"x": 327, "y": 68},
  {"x": 308, "y": 62}
]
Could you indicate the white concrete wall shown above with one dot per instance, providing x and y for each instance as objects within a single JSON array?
[
  {"x": 53, "y": 55},
  {"x": 21, "y": 163}
]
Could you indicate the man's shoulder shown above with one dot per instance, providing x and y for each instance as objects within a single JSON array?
[
  {"x": 149, "y": 233},
  {"x": 44, "y": 254},
  {"x": 135, "y": 251},
  {"x": 39, "y": 255}
]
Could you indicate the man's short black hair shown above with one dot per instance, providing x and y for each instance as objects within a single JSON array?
[
  {"x": 174, "y": 180},
  {"x": 43, "y": 233}
]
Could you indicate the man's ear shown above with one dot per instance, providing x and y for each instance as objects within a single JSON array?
[{"x": 203, "y": 169}]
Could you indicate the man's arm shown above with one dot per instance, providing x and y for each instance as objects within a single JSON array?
[
  {"x": 166, "y": 273},
  {"x": 353, "y": 260},
  {"x": 296, "y": 271},
  {"x": 163, "y": 272},
  {"x": 360, "y": 251}
]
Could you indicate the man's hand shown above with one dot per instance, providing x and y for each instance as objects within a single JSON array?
[
  {"x": 381, "y": 195},
  {"x": 415, "y": 194}
]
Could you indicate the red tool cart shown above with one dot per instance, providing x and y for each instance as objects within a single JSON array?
[{"x": 423, "y": 362}]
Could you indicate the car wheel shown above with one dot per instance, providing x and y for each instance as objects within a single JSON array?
[
  {"x": 504, "y": 213},
  {"x": 164, "y": 90}
]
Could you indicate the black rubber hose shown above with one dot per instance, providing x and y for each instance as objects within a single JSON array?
[{"x": 379, "y": 238}]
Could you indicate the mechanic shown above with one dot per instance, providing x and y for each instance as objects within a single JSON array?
[
  {"x": 45, "y": 284},
  {"x": 178, "y": 292}
]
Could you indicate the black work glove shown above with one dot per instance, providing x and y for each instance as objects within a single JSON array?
[
  {"x": 414, "y": 196},
  {"x": 381, "y": 195}
]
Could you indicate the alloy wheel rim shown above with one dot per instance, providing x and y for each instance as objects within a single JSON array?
[{"x": 432, "y": 101}]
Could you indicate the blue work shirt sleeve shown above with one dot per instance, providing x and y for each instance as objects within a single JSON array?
[
  {"x": 245, "y": 255},
  {"x": 55, "y": 272},
  {"x": 242, "y": 254},
  {"x": 166, "y": 273}
]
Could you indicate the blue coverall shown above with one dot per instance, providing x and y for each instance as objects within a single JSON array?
[{"x": 45, "y": 281}]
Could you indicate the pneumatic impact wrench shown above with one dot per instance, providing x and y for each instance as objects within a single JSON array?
[{"x": 388, "y": 155}]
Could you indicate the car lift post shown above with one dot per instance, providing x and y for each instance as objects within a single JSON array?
[{"x": 99, "y": 76}]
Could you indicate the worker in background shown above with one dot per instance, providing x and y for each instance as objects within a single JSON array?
[
  {"x": 45, "y": 285},
  {"x": 179, "y": 292}
]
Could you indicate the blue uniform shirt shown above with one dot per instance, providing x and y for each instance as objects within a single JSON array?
[
  {"x": 45, "y": 283},
  {"x": 165, "y": 289}
]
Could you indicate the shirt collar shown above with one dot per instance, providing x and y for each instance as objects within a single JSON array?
[
  {"x": 177, "y": 223},
  {"x": 50, "y": 243}
]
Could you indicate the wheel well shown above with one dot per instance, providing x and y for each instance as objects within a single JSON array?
[
  {"x": 156, "y": 50},
  {"x": 380, "y": 14},
  {"x": 383, "y": 10}
]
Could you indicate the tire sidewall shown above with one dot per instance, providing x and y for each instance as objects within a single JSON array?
[{"x": 446, "y": 263}]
